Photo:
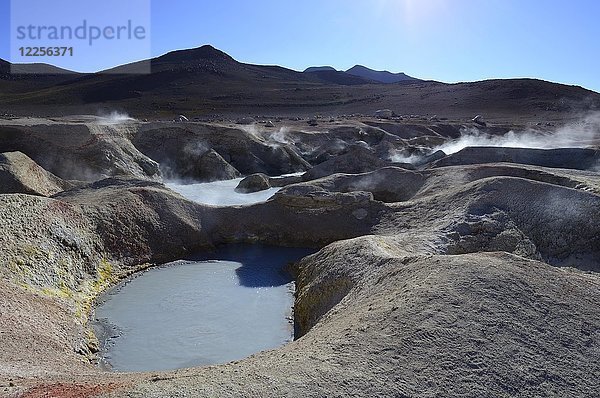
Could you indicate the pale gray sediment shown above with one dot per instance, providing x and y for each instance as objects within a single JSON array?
[{"x": 199, "y": 312}]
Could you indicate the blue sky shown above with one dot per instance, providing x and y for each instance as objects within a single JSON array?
[{"x": 446, "y": 40}]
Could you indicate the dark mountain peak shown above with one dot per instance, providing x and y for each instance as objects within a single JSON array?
[
  {"x": 205, "y": 53},
  {"x": 320, "y": 69},
  {"x": 357, "y": 68},
  {"x": 380, "y": 76},
  {"x": 329, "y": 74}
]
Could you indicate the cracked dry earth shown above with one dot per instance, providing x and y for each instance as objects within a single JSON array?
[{"x": 464, "y": 280}]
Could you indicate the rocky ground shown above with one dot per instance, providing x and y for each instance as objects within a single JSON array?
[{"x": 473, "y": 274}]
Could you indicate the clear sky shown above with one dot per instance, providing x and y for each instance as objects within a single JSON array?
[{"x": 446, "y": 40}]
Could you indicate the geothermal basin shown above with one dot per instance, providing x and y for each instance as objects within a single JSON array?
[{"x": 209, "y": 309}]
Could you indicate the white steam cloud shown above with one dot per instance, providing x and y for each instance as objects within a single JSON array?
[
  {"x": 397, "y": 156},
  {"x": 196, "y": 149},
  {"x": 584, "y": 133},
  {"x": 281, "y": 136},
  {"x": 271, "y": 138},
  {"x": 252, "y": 131},
  {"x": 114, "y": 117}
]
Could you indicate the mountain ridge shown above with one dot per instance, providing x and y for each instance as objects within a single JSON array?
[
  {"x": 320, "y": 69},
  {"x": 205, "y": 81},
  {"x": 380, "y": 76}
]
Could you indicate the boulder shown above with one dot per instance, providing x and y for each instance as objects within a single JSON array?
[
  {"x": 245, "y": 121},
  {"x": 253, "y": 183},
  {"x": 479, "y": 120},
  {"x": 384, "y": 114}
]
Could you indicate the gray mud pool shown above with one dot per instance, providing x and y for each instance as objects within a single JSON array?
[
  {"x": 221, "y": 193},
  {"x": 206, "y": 310}
]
